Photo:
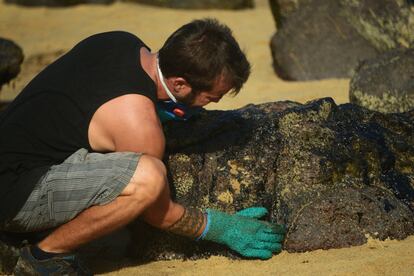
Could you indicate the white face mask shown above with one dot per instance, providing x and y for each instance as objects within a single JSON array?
[{"x": 161, "y": 77}]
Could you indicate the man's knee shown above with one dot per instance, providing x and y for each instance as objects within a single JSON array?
[{"x": 149, "y": 179}]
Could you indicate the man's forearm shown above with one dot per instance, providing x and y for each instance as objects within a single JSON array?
[
  {"x": 243, "y": 231},
  {"x": 173, "y": 217},
  {"x": 191, "y": 224}
]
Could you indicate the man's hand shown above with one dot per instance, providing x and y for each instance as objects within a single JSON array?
[{"x": 244, "y": 232}]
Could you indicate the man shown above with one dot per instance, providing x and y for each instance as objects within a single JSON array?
[{"x": 81, "y": 146}]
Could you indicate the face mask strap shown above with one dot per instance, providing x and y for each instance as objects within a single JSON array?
[{"x": 161, "y": 77}]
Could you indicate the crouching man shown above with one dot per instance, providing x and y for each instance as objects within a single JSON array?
[{"x": 81, "y": 146}]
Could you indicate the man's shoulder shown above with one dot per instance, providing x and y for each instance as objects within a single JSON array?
[
  {"x": 116, "y": 34},
  {"x": 113, "y": 39},
  {"x": 130, "y": 114},
  {"x": 128, "y": 108}
]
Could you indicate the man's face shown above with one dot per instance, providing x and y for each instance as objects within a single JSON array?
[{"x": 205, "y": 97}]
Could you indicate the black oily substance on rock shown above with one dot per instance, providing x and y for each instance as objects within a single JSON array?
[
  {"x": 332, "y": 37},
  {"x": 11, "y": 57},
  {"x": 334, "y": 175},
  {"x": 385, "y": 83}
]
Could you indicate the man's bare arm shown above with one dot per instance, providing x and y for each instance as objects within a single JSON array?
[
  {"x": 131, "y": 124},
  {"x": 128, "y": 123}
]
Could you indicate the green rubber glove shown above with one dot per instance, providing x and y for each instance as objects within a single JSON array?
[{"x": 244, "y": 232}]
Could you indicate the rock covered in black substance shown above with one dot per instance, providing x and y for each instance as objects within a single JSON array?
[
  {"x": 318, "y": 39},
  {"x": 332, "y": 174},
  {"x": 385, "y": 83},
  {"x": 11, "y": 56}
]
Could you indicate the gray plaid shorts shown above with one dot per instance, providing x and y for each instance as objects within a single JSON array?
[{"x": 83, "y": 180}]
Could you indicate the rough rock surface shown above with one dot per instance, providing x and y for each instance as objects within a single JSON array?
[
  {"x": 11, "y": 56},
  {"x": 332, "y": 174},
  {"x": 319, "y": 39},
  {"x": 57, "y": 3},
  {"x": 385, "y": 83}
]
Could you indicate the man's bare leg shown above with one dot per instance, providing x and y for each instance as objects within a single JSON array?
[{"x": 147, "y": 187}]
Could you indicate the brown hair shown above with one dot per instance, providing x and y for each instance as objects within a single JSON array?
[{"x": 201, "y": 52}]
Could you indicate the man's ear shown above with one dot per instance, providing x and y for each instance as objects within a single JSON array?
[{"x": 181, "y": 87}]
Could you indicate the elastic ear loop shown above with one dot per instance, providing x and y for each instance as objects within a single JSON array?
[{"x": 161, "y": 77}]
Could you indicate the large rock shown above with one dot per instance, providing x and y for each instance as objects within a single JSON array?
[
  {"x": 57, "y": 3},
  {"x": 11, "y": 56},
  {"x": 332, "y": 174},
  {"x": 386, "y": 83},
  {"x": 319, "y": 39},
  {"x": 316, "y": 43},
  {"x": 386, "y": 24},
  {"x": 199, "y": 4}
]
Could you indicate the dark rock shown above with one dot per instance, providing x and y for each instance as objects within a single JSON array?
[
  {"x": 386, "y": 24},
  {"x": 319, "y": 39},
  {"x": 281, "y": 9},
  {"x": 332, "y": 174},
  {"x": 57, "y": 3},
  {"x": 11, "y": 56},
  {"x": 316, "y": 43},
  {"x": 385, "y": 83},
  {"x": 199, "y": 4}
]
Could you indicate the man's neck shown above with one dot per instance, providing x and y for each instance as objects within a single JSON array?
[{"x": 149, "y": 64}]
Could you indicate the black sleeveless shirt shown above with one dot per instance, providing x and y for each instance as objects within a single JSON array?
[{"x": 49, "y": 119}]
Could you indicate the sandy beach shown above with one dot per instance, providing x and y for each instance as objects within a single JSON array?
[{"x": 46, "y": 33}]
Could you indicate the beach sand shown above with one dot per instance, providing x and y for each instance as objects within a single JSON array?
[{"x": 46, "y": 33}]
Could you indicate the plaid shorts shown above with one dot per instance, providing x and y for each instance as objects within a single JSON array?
[{"x": 83, "y": 180}]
